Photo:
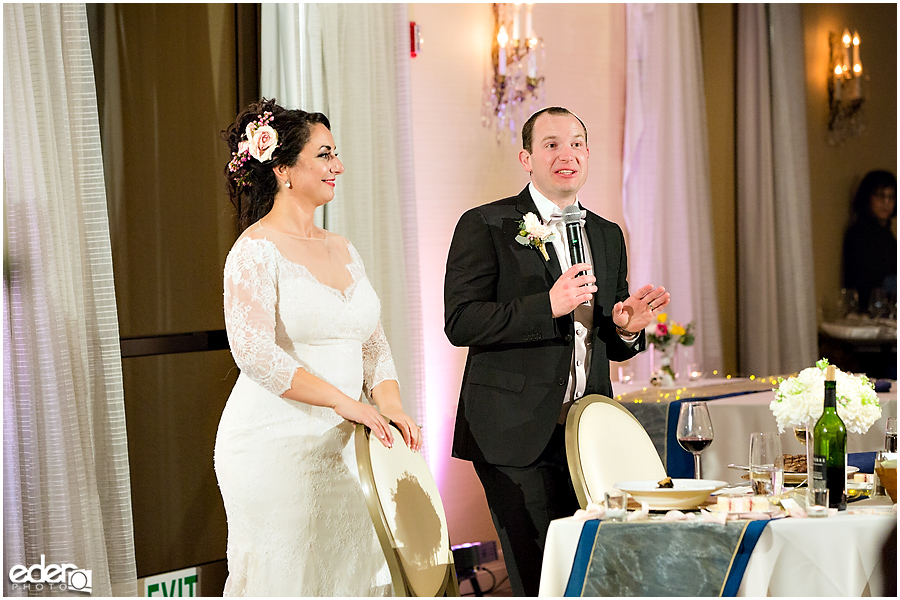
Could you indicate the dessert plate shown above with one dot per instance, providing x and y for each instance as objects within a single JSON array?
[{"x": 688, "y": 494}]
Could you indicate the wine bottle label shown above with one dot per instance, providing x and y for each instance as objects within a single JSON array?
[{"x": 818, "y": 468}]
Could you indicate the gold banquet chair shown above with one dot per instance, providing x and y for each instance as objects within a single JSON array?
[
  {"x": 408, "y": 514},
  {"x": 606, "y": 444}
]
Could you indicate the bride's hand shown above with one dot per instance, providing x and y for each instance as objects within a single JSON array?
[
  {"x": 360, "y": 412},
  {"x": 412, "y": 433}
]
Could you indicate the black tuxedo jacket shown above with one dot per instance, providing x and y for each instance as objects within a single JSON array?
[{"x": 497, "y": 302}]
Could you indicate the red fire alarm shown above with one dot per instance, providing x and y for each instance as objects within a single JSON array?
[{"x": 415, "y": 39}]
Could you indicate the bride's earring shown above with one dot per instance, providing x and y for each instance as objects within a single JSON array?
[{"x": 287, "y": 184}]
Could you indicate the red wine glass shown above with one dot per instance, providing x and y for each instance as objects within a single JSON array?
[{"x": 695, "y": 431}]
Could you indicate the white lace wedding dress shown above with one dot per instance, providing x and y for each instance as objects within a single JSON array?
[{"x": 297, "y": 519}]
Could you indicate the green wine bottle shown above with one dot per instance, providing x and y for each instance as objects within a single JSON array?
[{"x": 830, "y": 448}]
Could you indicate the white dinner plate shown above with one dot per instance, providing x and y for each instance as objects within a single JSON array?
[
  {"x": 687, "y": 494},
  {"x": 851, "y": 332}
]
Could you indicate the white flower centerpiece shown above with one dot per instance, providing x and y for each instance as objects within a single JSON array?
[{"x": 800, "y": 400}]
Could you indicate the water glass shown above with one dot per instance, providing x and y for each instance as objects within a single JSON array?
[
  {"x": 840, "y": 305},
  {"x": 695, "y": 371},
  {"x": 878, "y": 303},
  {"x": 766, "y": 464},
  {"x": 817, "y": 502},
  {"x": 626, "y": 373},
  {"x": 616, "y": 505},
  {"x": 890, "y": 435}
]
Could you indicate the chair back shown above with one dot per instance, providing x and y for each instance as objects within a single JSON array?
[
  {"x": 606, "y": 444},
  {"x": 408, "y": 514}
]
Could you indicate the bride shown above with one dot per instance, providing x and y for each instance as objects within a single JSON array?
[{"x": 304, "y": 328}]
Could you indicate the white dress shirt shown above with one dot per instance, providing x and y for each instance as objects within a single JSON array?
[{"x": 584, "y": 313}]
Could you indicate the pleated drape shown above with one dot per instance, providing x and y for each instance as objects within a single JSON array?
[
  {"x": 776, "y": 291},
  {"x": 351, "y": 62},
  {"x": 666, "y": 189},
  {"x": 66, "y": 492}
]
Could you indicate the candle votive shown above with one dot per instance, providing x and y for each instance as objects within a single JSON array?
[
  {"x": 616, "y": 505},
  {"x": 695, "y": 371},
  {"x": 817, "y": 503}
]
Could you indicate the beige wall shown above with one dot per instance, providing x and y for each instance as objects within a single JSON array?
[
  {"x": 835, "y": 171},
  {"x": 459, "y": 164}
]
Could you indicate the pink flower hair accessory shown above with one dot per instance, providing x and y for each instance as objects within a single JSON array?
[{"x": 259, "y": 141}]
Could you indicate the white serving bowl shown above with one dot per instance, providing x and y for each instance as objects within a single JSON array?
[
  {"x": 851, "y": 332},
  {"x": 688, "y": 494}
]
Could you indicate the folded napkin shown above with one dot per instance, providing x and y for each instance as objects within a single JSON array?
[
  {"x": 598, "y": 511},
  {"x": 705, "y": 516}
]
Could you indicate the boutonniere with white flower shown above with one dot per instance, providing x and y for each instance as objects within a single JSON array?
[{"x": 534, "y": 233}]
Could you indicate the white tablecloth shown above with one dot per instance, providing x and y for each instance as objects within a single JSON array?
[{"x": 837, "y": 556}]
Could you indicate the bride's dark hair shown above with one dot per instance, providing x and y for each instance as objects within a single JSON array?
[{"x": 252, "y": 185}]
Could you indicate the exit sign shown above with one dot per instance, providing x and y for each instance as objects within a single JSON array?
[{"x": 177, "y": 584}]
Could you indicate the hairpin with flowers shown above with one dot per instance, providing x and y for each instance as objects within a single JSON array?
[{"x": 259, "y": 141}]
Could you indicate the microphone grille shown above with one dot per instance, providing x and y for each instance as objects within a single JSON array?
[{"x": 571, "y": 214}]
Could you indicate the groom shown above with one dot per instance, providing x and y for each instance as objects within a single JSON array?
[{"x": 540, "y": 332}]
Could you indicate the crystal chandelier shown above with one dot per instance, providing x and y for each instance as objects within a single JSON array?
[{"x": 513, "y": 89}]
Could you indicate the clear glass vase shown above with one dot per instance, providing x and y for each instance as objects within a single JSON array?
[
  {"x": 809, "y": 453},
  {"x": 803, "y": 433},
  {"x": 662, "y": 367}
]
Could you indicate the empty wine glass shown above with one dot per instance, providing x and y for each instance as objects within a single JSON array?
[
  {"x": 695, "y": 430},
  {"x": 878, "y": 303},
  {"x": 890, "y": 435}
]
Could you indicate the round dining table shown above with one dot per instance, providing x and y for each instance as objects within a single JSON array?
[{"x": 841, "y": 555}]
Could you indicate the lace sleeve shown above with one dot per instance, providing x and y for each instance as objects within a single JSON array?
[
  {"x": 378, "y": 365},
  {"x": 250, "y": 298}
]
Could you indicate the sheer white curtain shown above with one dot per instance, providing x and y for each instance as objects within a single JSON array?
[
  {"x": 351, "y": 62},
  {"x": 665, "y": 186},
  {"x": 777, "y": 320},
  {"x": 66, "y": 486}
]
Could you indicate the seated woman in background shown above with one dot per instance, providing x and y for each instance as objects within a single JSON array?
[{"x": 870, "y": 246}]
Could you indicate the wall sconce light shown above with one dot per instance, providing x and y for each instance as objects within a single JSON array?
[
  {"x": 845, "y": 95},
  {"x": 513, "y": 90}
]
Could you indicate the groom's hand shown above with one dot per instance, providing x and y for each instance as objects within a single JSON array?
[
  {"x": 570, "y": 290},
  {"x": 640, "y": 308}
]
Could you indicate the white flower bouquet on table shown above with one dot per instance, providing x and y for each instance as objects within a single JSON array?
[{"x": 801, "y": 399}]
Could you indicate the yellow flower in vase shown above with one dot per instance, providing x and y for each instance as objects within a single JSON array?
[{"x": 666, "y": 336}]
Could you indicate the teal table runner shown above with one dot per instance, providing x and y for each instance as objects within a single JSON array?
[{"x": 662, "y": 558}]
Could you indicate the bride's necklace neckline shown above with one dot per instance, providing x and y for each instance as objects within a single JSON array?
[{"x": 296, "y": 237}]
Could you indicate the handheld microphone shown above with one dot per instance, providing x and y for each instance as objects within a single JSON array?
[{"x": 571, "y": 216}]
